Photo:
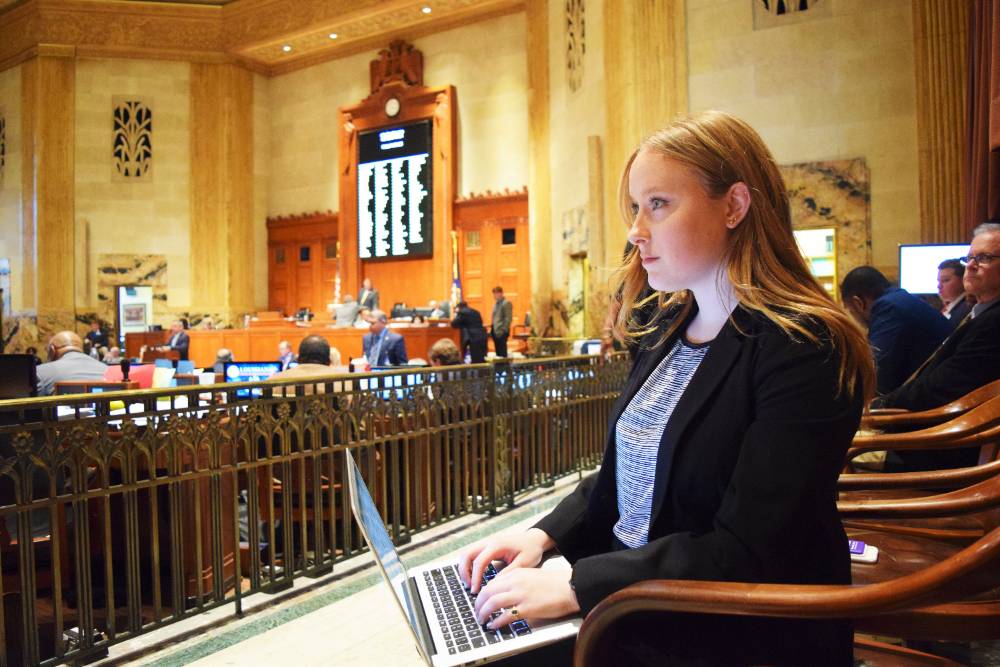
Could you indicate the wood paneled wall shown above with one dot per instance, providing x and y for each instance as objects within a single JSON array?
[
  {"x": 222, "y": 187},
  {"x": 48, "y": 83},
  {"x": 489, "y": 261},
  {"x": 295, "y": 281},
  {"x": 940, "y": 43},
  {"x": 645, "y": 74}
]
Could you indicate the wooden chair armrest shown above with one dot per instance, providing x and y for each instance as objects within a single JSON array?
[
  {"x": 976, "y": 498},
  {"x": 933, "y": 479},
  {"x": 946, "y": 581},
  {"x": 940, "y": 439},
  {"x": 881, "y": 412}
]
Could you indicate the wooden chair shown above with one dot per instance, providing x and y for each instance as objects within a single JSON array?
[
  {"x": 979, "y": 427},
  {"x": 64, "y": 387},
  {"x": 904, "y": 419},
  {"x": 959, "y": 516},
  {"x": 928, "y": 604}
]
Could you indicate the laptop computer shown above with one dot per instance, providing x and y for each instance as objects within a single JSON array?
[{"x": 436, "y": 606}]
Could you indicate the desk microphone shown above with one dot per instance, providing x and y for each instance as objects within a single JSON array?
[{"x": 126, "y": 366}]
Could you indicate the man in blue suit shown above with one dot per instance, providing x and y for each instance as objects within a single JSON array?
[
  {"x": 903, "y": 330},
  {"x": 381, "y": 346}
]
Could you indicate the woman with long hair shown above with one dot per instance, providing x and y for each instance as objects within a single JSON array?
[{"x": 724, "y": 448}]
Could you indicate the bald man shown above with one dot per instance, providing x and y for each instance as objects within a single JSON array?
[{"x": 67, "y": 362}]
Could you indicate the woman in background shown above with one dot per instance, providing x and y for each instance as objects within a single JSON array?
[{"x": 724, "y": 448}]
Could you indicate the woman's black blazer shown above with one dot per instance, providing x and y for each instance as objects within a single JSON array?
[{"x": 745, "y": 483}]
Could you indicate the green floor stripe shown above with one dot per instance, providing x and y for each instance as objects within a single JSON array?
[{"x": 298, "y": 609}]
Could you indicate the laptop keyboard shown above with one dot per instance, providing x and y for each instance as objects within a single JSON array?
[{"x": 454, "y": 607}]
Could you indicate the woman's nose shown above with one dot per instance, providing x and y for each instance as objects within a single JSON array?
[{"x": 637, "y": 232}]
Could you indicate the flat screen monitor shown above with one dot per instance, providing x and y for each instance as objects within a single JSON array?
[
  {"x": 250, "y": 371},
  {"x": 395, "y": 216},
  {"x": 18, "y": 378},
  {"x": 918, "y": 264}
]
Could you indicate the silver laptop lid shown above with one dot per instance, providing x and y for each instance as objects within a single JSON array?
[{"x": 377, "y": 537}]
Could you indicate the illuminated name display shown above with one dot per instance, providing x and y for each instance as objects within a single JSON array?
[{"x": 395, "y": 218}]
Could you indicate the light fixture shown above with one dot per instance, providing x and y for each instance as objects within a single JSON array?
[
  {"x": 286, "y": 48},
  {"x": 333, "y": 35},
  {"x": 426, "y": 9}
]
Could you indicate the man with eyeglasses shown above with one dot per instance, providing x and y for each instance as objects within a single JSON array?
[{"x": 966, "y": 360}]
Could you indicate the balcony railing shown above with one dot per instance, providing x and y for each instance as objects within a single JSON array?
[{"x": 123, "y": 512}]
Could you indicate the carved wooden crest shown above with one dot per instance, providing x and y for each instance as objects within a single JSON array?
[{"x": 400, "y": 62}]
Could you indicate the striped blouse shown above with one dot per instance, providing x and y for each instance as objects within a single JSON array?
[{"x": 637, "y": 438}]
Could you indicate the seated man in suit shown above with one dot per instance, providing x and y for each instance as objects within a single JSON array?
[
  {"x": 285, "y": 354},
  {"x": 437, "y": 310},
  {"x": 178, "y": 340},
  {"x": 951, "y": 289},
  {"x": 367, "y": 295},
  {"x": 346, "y": 313},
  {"x": 381, "y": 346},
  {"x": 67, "y": 362},
  {"x": 96, "y": 338},
  {"x": 902, "y": 330},
  {"x": 968, "y": 358},
  {"x": 316, "y": 359}
]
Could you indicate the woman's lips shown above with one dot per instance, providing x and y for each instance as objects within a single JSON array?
[{"x": 646, "y": 261}]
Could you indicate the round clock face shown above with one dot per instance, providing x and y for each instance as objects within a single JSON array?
[{"x": 391, "y": 106}]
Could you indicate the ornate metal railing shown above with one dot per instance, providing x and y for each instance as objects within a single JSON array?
[{"x": 126, "y": 511}]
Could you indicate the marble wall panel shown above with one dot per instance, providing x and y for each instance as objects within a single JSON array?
[
  {"x": 834, "y": 193},
  {"x": 115, "y": 270}
]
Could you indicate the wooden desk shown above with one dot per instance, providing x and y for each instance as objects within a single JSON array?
[
  {"x": 260, "y": 343},
  {"x": 135, "y": 341}
]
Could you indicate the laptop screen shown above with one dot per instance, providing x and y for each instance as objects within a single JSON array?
[
  {"x": 378, "y": 539},
  {"x": 250, "y": 371}
]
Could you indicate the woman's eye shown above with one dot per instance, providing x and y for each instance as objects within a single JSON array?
[
  {"x": 656, "y": 203},
  {"x": 634, "y": 208}
]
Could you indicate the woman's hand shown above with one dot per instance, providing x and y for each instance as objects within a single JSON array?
[
  {"x": 526, "y": 593},
  {"x": 518, "y": 550}
]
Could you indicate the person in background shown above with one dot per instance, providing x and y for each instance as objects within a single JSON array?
[
  {"x": 724, "y": 451},
  {"x": 316, "y": 359},
  {"x": 367, "y": 295},
  {"x": 96, "y": 338},
  {"x": 285, "y": 354},
  {"x": 436, "y": 311},
  {"x": 382, "y": 346},
  {"x": 67, "y": 362},
  {"x": 444, "y": 353},
  {"x": 208, "y": 324},
  {"x": 473, "y": 333},
  {"x": 968, "y": 359},
  {"x": 178, "y": 340},
  {"x": 951, "y": 289},
  {"x": 503, "y": 315},
  {"x": 363, "y": 321},
  {"x": 903, "y": 330},
  {"x": 223, "y": 355},
  {"x": 346, "y": 313},
  {"x": 113, "y": 357}
]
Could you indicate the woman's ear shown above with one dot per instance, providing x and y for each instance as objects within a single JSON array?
[{"x": 738, "y": 203}]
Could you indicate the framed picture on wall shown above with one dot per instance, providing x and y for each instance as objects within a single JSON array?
[{"x": 134, "y": 315}]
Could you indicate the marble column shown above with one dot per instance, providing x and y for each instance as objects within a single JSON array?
[
  {"x": 539, "y": 170},
  {"x": 940, "y": 45},
  {"x": 222, "y": 260},
  {"x": 645, "y": 74},
  {"x": 47, "y": 126}
]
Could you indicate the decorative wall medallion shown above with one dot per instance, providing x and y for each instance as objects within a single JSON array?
[
  {"x": 132, "y": 140},
  {"x": 3, "y": 145},
  {"x": 774, "y": 13},
  {"x": 399, "y": 62},
  {"x": 576, "y": 46}
]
